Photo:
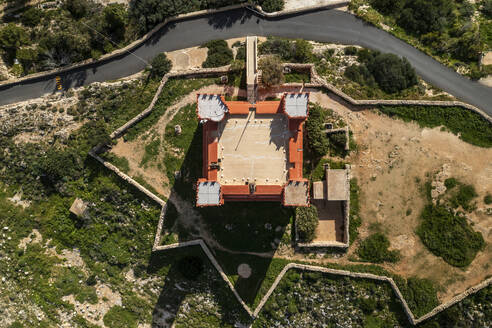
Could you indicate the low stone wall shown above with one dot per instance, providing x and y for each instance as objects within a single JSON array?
[
  {"x": 188, "y": 73},
  {"x": 148, "y": 35},
  {"x": 127, "y": 178}
]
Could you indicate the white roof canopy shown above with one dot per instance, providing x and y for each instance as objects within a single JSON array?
[
  {"x": 208, "y": 193},
  {"x": 296, "y": 104},
  {"x": 211, "y": 107}
]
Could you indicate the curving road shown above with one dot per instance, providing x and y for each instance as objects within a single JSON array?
[{"x": 326, "y": 26}]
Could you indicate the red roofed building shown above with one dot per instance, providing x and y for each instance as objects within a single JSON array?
[{"x": 253, "y": 152}]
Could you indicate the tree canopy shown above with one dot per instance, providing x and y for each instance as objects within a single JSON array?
[{"x": 271, "y": 71}]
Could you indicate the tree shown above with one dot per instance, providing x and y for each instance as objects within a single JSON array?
[
  {"x": 306, "y": 223},
  {"x": 388, "y": 7},
  {"x": 115, "y": 19},
  {"x": 424, "y": 16},
  {"x": 77, "y": 8},
  {"x": 161, "y": 65},
  {"x": 303, "y": 51},
  {"x": 27, "y": 57},
  {"x": 218, "y": 54},
  {"x": 487, "y": 8},
  {"x": 392, "y": 73},
  {"x": 272, "y": 5},
  {"x": 31, "y": 17},
  {"x": 272, "y": 72},
  {"x": 12, "y": 37},
  {"x": 318, "y": 142}
]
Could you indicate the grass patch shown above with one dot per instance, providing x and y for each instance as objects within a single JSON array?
[
  {"x": 120, "y": 162},
  {"x": 171, "y": 93},
  {"x": 470, "y": 126},
  {"x": 375, "y": 249},
  {"x": 152, "y": 150},
  {"x": 297, "y": 77},
  {"x": 355, "y": 220},
  {"x": 458, "y": 244}
]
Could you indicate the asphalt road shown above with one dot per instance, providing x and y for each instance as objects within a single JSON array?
[{"x": 326, "y": 26}]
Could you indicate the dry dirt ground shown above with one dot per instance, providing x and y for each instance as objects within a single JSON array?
[
  {"x": 392, "y": 157},
  {"x": 192, "y": 58}
]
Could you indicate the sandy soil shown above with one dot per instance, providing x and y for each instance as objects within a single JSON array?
[
  {"x": 192, "y": 58},
  {"x": 487, "y": 59},
  {"x": 392, "y": 156},
  {"x": 295, "y": 4}
]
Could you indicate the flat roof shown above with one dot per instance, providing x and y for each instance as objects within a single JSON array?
[
  {"x": 208, "y": 193},
  {"x": 253, "y": 148},
  {"x": 296, "y": 104},
  {"x": 337, "y": 184},
  {"x": 211, "y": 107}
]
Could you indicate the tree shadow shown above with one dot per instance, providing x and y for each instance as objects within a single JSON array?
[{"x": 227, "y": 19}]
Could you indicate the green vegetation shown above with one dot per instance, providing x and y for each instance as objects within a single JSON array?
[
  {"x": 172, "y": 91},
  {"x": 161, "y": 65},
  {"x": 463, "y": 198},
  {"x": 470, "y": 126},
  {"x": 303, "y": 296},
  {"x": 272, "y": 72},
  {"x": 118, "y": 316},
  {"x": 450, "y": 183},
  {"x": 75, "y": 31},
  {"x": 391, "y": 73},
  {"x": 355, "y": 220},
  {"x": 218, "y": 54},
  {"x": 487, "y": 199},
  {"x": 300, "y": 51},
  {"x": 152, "y": 150},
  {"x": 120, "y": 162},
  {"x": 445, "y": 29},
  {"x": 458, "y": 244},
  {"x": 317, "y": 140},
  {"x": 271, "y": 5},
  {"x": 420, "y": 294},
  {"x": 297, "y": 77},
  {"x": 306, "y": 223},
  {"x": 375, "y": 249}
]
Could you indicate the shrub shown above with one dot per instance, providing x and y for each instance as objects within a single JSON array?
[
  {"x": 303, "y": 51},
  {"x": 271, "y": 71},
  {"x": 317, "y": 140},
  {"x": 306, "y": 223},
  {"x": 118, "y": 316},
  {"x": 272, "y": 5},
  {"x": 350, "y": 51},
  {"x": 450, "y": 183},
  {"x": 190, "y": 267},
  {"x": 487, "y": 199},
  {"x": 487, "y": 8},
  {"x": 420, "y": 294},
  {"x": 161, "y": 65},
  {"x": 470, "y": 126},
  {"x": 31, "y": 17},
  {"x": 392, "y": 73},
  {"x": 457, "y": 244},
  {"x": 463, "y": 197},
  {"x": 284, "y": 48},
  {"x": 219, "y": 54},
  {"x": 375, "y": 249},
  {"x": 12, "y": 37}
]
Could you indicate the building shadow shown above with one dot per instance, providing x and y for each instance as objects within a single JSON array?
[{"x": 177, "y": 289}]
